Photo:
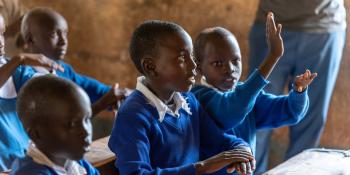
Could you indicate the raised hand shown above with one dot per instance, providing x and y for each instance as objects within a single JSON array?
[
  {"x": 273, "y": 36},
  {"x": 302, "y": 81},
  {"x": 275, "y": 44}
]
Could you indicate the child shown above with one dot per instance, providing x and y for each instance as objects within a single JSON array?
[
  {"x": 45, "y": 31},
  {"x": 13, "y": 74},
  {"x": 56, "y": 114},
  {"x": 161, "y": 128},
  {"x": 242, "y": 108}
]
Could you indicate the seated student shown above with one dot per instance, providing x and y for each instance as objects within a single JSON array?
[
  {"x": 45, "y": 31},
  {"x": 56, "y": 114},
  {"x": 161, "y": 128},
  {"x": 222, "y": 96},
  {"x": 13, "y": 74}
]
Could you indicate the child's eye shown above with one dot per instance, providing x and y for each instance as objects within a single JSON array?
[
  {"x": 53, "y": 34},
  {"x": 217, "y": 63},
  {"x": 234, "y": 61},
  {"x": 73, "y": 124},
  {"x": 181, "y": 58}
]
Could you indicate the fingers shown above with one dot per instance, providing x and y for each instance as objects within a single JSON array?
[
  {"x": 249, "y": 168},
  {"x": 56, "y": 66},
  {"x": 279, "y": 29},
  {"x": 271, "y": 21},
  {"x": 253, "y": 164},
  {"x": 241, "y": 153},
  {"x": 40, "y": 60},
  {"x": 314, "y": 75},
  {"x": 241, "y": 168},
  {"x": 231, "y": 168}
]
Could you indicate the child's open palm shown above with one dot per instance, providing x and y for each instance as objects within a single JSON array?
[
  {"x": 302, "y": 81},
  {"x": 273, "y": 36}
]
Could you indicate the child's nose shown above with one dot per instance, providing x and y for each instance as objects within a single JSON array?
[
  {"x": 192, "y": 65},
  {"x": 62, "y": 39},
  {"x": 229, "y": 68},
  {"x": 86, "y": 130}
]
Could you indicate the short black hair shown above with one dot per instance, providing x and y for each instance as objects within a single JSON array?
[
  {"x": 37, "y": 17},
  {"x": 203, "y": 38},
  {"x": 39, "y": 96},
  {"x": 145, "y": 39}
]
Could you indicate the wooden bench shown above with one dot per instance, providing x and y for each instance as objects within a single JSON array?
[{"x": 101, "y": 157}]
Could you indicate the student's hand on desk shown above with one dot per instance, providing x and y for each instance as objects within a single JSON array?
[
  {"x": 302, "y": 81},
  {"x": 273, "y": 36},
  {"x": 219, "y": 161},
  {"x": 243, "y": 167},
  {"x": 37, "y": 60}
]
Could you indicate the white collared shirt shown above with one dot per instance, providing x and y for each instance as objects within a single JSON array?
[
  {"x": 161, "y": 107},
  {"x": 70, "y": 167},
  {"x": 43, "y": 71},
  {"x": 7, "y": 90}
]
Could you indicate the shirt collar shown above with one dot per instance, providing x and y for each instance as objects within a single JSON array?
[
  {"x": 43, "y": 71},
  {"x": 70, "y": 168},
  {"x": 8, "y": 89},
  {"x": 161, "y": 107},
  {"x": 2, "y": 60}
]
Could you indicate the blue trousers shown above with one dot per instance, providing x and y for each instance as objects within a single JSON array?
[{"x": 318, "y": 52}]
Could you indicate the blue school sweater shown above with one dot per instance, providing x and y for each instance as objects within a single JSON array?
[
  {"x": 269, "y": 111},
  {"x": 144, "y": 145},
  {"x": 92, "y": 87},
  {"x": 240, "y": 102},
  {"x": 26, "y": 166},
  {"x": 13, "y": 138}
]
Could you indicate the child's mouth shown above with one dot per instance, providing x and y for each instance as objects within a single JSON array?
[{"x": 231, "y": 80}]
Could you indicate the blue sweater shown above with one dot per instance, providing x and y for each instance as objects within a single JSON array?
[
  {"x": 268, "y": 110},
  {"x": 92, "y": 87},
  {"x": 26, "y": 166},
  {"x": 146, "y": 146},
  {"x": 13, "y": 138}
]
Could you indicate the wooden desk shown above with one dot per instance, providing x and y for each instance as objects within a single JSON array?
[
  {"x": 101, "y": 157},
  {"x": 315, "y": 162}
]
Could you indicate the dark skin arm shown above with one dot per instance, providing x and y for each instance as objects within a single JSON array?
[
  {"x": 275, "y": 44},
  {"x": 219, "y": 161},
  {"x": 110, "y": 99},
  {"x": 26, "y": 59}
]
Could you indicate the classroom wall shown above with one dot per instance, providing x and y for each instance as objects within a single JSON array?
[{"x": 99, "y": 32}]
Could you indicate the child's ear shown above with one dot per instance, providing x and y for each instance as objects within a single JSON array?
[
  {"x": 148, "y": 67},
  {"x": 28, "y": 39}
]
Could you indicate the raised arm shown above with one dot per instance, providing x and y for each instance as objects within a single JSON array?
[
  {"x": 275, "y": 45},
  {"x": 229, "y": 109}
]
